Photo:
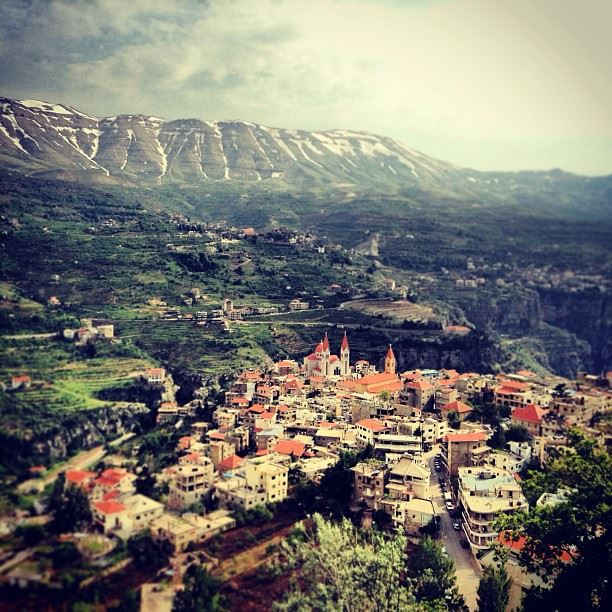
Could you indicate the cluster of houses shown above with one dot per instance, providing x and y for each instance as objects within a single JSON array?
[
  {"x": 293, "y": 421},
  {"x": 90, "y": 330}
]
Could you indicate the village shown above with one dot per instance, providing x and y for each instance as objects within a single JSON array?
[{"x": 428, "y": 460}]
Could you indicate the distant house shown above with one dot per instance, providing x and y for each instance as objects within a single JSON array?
[
  {"x": 530, "y": 417},
  {"x": 21, "y": 382},
  {"x": 462, "y": 410},
  {"x": 155, "y": 376},
  {"x": 297, "y": 304}
]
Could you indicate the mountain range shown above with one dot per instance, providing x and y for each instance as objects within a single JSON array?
[{"x": 57, "y": 141}]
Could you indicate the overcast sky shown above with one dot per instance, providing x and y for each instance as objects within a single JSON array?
[{"x": 490, "y": 84}]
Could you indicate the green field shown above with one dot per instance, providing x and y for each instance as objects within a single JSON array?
[{"x": 64, "y": 381}]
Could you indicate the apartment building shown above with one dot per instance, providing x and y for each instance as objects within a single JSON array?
[
  {"x": 189, "y": 483},
  {"x": 460, "y": 449},
  {"x": 254, "y": 484},
  {"x": 484, "y": 493}
]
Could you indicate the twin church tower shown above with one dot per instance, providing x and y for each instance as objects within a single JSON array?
[{"x": 322, "y": 363}]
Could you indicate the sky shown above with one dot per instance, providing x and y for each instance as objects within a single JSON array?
[{"x": 486, "y": 84}]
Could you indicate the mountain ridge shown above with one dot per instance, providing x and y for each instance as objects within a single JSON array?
[{"x": 58, "y": 141}]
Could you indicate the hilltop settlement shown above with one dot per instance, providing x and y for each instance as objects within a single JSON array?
[{"x": 436, "y": 452}]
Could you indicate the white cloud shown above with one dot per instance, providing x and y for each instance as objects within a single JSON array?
[{"x": 509, "y": 84}]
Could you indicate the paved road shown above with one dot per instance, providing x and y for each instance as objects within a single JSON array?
[{"x": 468, "y": 575}]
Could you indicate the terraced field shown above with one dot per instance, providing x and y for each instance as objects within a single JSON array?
[{"x": 64, "y": 380}]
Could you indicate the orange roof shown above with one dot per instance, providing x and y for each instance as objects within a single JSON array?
[
  {"x": 266, "y": 415},
  {"x": 284, "y": 364},
  {"x": 317, "y": 378},
  {"x": 262, "y": 452},
  {"x": 283, "y": 408},
  {"x": 389, "y": 354},
  {"x": 78, "y": 476},
  {"x": 216, "y": 435},
  {"x": 373, "y": 379},
  {"x": 251, "y": 374},
  {"x": 239, "y": 400},
  {"x": 371, "y": 424},
  {"x": 184, "y": 442},
  {"x": 530, "y": 414},
  {"x": 257, "y": 408},
  {"x": 447, "y": 382},
  {"x": 514, "y": 384},
  {"x": 155, "y": 371},
  {"x": 23, "y": 378},
  {"x": 326, "y": 425},
  {"x": 474, "y": 436},
  {"x": 109, "y": 507},
  {"x": 231, "y": 462},
  {"x": 458, "y": 407},
  {"x": 457, "y": 329},
  {"x": 290, "y": 447},
  {"x": 518, "y": 545},
  {"x": 422, "y": 385}
]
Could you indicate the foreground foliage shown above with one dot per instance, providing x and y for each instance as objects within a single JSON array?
[
  {"x": 568, "y": 544},
  {"x": 343, "y": 569}
]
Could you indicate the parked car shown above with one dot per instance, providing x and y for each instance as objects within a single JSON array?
[
  {"x": 456, "y": 526},
  {"x": 449, "y": 506}
]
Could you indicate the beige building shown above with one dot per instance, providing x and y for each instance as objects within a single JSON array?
[
  {"x": 458, "y": 450},
  {"x": 484, "y": 493},
  {"x": 254, "y": 484},
  {"x": 189, "y": 483},
  {"x": 369, "y": 483}
]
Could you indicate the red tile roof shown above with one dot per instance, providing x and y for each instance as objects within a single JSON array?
[
  {"x": 230, "y": 463},
  {"x": 78, "y": 476},
  {"x": 20, "y": 379},
  {"x": 290, "y": 447},
  {"x": 458, "y": 407},
  {"x": 109, "y": 507},
  {"x": 421, "y": 385},
  {"x": 530, "y": 414},
  {"x": 371, "y": 424},
  {"x": 474, "y": 436},
  {"x": 519, "y": 544}
]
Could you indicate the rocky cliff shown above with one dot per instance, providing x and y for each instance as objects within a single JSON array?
[{"x": 74, "y": 432}]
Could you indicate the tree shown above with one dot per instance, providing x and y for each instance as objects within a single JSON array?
[
  {"x": 517, "y": 433},
  {"x": 498, "y": 439},
  {"x": 147, "y": 552},
  {"x": 433, "y": 576},
  {"x": 453, "y": 420},
  {"x": 200, "y": 593},
  {"x": 569, "y": 544},
  {"x": 494, "y": 590},
  {"x": 342, "y": 569},
  {"x": 69, "y": 507}
]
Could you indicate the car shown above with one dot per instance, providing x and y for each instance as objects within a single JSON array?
[
  {"x": 441, "y": 480},
  {"x": 449, "y": 506},
  {"x": 456, "y": 526},
  {"x": 438, "y": 468}
]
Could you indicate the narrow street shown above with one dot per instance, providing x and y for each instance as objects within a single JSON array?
[{"x": 468, "y": 575}]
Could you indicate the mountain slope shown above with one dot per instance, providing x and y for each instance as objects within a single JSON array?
[
  {"x": 38, "y": 137},
  {"x": 58, "y": 141}
]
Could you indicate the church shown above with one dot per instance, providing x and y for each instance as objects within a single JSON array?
[{"x": 323, "y": 363}]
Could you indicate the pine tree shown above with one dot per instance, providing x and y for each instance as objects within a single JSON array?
[
  {"x": 200, "y": 593},
  {"x": 494, "y": 590}
]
